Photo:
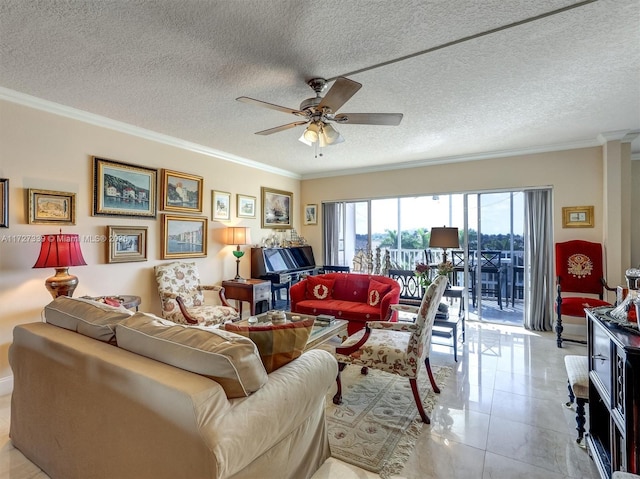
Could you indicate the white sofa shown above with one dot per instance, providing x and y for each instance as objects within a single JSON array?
[{"x": 83, "y": 408}]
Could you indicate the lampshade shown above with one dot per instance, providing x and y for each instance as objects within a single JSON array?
[
  {"x": 444, "y": 238},
  {"x": 238, "y": 235},
  {"x": 321, "y": 132},
  {"x": 60, "y": 251}
]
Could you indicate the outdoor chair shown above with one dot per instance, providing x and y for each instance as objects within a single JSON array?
[
  {"x": 491, "y": 276},
  {"x": 580, "y": 282},
  {"x": 398, "y": 348},
  {"x": 182, "y": 298}
]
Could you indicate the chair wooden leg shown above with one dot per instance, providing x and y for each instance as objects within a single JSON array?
[
  {"x": 416, "y": 396},
  {"x": 432, "y": 380},
  {"x": 337, "y": 398},
  {"x": 580, "y": 419}
]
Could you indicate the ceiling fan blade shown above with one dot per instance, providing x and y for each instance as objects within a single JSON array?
[
  {"x": 391, "y": 119},
  {"x": 281, "y": 128},
  {"x": 283, "y": 109},
  {"x": 339, "y": 94}
]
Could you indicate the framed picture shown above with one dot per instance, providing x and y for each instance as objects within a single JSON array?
[
  {"x": 183, "y": 236},
  {"x": 4, "y": 203},
  {"x": 181, "y": 192},
  {"x": 126, "y": 244},
  {"x": 311, "y": 215},
  {"x": 220, "y": 205},
  {"x": 577, "y": 217},
  {"x": 121, "y": 189},
  {"x": 245, "y": 206},
  {"x": 51, "y": 207},
  {"x": 277, "y": 209}
]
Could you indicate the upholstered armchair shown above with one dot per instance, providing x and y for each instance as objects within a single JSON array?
[
  {"x": 182, "y": 298},
  {"x": 396, "y": 347}
]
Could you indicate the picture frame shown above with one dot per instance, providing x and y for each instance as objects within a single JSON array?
[
  {"x": 277, "y": 209},
  {"x": 51, "y": 207},
  {"x": 183, "y": 236},
  {"x": 126, "y": 244},
  {"x": 4, "y": 202},
  {"x": 123, "y": 189},
  {"x": 245, "y": 206},
  {"x": 181, "y": 192},
  {"x": 311, "y": 214},
  {"x": 577, "y": 217},
  {"x": 220, "y": 205}
]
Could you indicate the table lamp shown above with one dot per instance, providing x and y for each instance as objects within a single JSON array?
[
  {"x": 444, "y": 238},
  {"x": 60, "y": 251},
  {"x": 238, "y": 235}
]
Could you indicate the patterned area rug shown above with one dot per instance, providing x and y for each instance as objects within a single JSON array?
[{"x": 377, "y": 424}]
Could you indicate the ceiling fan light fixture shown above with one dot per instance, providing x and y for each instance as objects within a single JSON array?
[{"x": 311, "y": 133}]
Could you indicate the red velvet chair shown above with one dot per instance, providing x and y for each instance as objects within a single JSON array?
[{"x": 580, "y": 282}]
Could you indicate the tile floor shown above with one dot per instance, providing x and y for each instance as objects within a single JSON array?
[{"x": 500, "y": 415}]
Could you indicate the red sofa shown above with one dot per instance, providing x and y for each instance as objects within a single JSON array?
[{"x": 356, "y": 297}]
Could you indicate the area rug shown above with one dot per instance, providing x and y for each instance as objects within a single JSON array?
[{"x": 377, "y": 424}]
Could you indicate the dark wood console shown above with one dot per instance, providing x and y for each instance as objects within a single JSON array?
[{"x": 614, "y": 395}]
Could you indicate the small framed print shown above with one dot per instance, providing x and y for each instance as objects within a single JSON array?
[
  {"x": 577, "y": 217},
  {"x": 277, "y": 209},
  {"x": 126, "y": 244},
  {"x": 181, "y": 192},
  {"x": 311, "y": 215},
  {"x": 4, "y": 202},
  {"x": 51, "y": 207},
  {"x": 121, "y": 189},
  {"x": 245, "y": 206},
  {"x": 184, "y": 236},
  {"x": 220, "y": 205}
]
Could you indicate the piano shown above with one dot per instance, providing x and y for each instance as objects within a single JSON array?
[{"x": 282, "y": 265}]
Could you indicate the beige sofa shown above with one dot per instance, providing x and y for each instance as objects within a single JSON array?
[{"x": 83, "y": 408}]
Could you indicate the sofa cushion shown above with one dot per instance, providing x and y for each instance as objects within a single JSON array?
[
  {"x": 278, "y": 343},
  {"x": 229, "y": 359},
  {"x": 319, "y": 288},
  {"x": 376, "y": 291},
  {"x": 89, "y": 318},
  {"x": 351, "y": 287}
]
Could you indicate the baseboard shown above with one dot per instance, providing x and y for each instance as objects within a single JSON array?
[{"x": 6, "y": 385}]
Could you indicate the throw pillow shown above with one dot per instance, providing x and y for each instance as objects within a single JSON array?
[
  {"x": 278, "y": 344},
  {"x": 89, "y": 318},
  {"x": 229, "y": 359},
  {"x": 319, "y": 288},
  {"x": 376, "y": 291}
]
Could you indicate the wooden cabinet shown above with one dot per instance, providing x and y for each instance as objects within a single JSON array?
[
  {"x": 614, "y": 396},
  {"x": 256, "y": 292}
]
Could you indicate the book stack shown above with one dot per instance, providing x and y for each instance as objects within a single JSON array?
[{"x": 325, "y": 319}]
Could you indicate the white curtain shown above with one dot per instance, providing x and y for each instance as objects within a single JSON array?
[
  {"x": 331, "y": 233},
  {"x": 539, "y": 253}
]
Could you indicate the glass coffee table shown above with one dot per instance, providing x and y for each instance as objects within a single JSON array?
[{"x": 320, "y": 333}]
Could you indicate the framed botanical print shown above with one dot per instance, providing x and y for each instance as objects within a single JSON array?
[
  {"x": 183, "y": 236},
  {"x": 245, "y": 206},
  {"x": 51, "y": 207},
  {"x": 277, "y": 209},
  {"x": 311, "y": 215},
  {"x": 121, "y": 189},
  {"x": 126, "y": 244},
  {"x": 220, "y": 205},
  {"x": 181, "y": 192},
  {"x": 577, "y": 217}
]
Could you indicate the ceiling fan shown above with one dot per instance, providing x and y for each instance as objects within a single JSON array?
[{"x": 319, "y": 112}]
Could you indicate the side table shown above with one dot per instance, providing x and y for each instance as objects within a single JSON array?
[{"x": 256, "y": 292}]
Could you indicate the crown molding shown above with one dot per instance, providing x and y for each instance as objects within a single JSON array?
[{"x": 104, "y": 122}]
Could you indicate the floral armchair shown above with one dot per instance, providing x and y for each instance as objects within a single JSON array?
[
  {"x": 397, "y": 347},
  {"x": 182, "y": 298}
]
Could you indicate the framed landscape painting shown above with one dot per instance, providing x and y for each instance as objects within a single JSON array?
[
  {"x": 245, "y": 206},
  {"x": 121, "y": 189},
  {"x": 220, "y": 205},
  {"x": 181, "y": 192},
  {"x": 51, "y": 207},
  {"x": 311, "y": 215},
  {"x": 183, "y": 236},
  {"x": 127, "y": 244},
  {"x": 277, "y": 209}
]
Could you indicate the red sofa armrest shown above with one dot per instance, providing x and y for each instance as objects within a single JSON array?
[
  {"x": 392, "y": 297},
  {"x": 297, "y": 293}
]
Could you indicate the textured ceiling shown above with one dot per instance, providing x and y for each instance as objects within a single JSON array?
[{"x": 175, "y": 67}]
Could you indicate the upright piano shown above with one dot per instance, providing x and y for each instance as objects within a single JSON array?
[{"x": 282, "y": 265}]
